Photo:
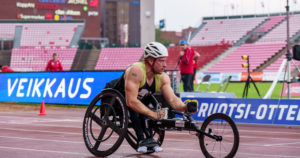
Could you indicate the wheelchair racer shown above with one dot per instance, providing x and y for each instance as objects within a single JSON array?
[{"x": 147, "y": 77}]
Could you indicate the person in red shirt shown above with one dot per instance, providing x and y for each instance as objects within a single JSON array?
[
  {"x": 5, "y": 68},
  {"x": 186, "y": 65},
  {"x": 54, "y": 64}
]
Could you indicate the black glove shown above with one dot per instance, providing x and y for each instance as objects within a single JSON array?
[{"x": 192, "y": 107}]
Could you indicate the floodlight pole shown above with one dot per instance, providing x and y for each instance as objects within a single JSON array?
[{"x": 288, "y": 54}]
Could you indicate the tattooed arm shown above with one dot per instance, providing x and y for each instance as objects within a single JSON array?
[{"x": 133, "y": 78}]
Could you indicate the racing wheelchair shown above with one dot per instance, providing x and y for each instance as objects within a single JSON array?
[{"x": 106, "y": 124}]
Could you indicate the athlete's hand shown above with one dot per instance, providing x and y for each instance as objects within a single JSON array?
[{"x": 159, "y": 114}]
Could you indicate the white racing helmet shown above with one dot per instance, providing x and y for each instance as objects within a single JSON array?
[{"x": 155, "y": 50}]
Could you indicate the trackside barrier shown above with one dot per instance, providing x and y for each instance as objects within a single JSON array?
[
  {"x": 254, "y": 111},
  {"x": 53, "y": 87},
  {"x": 81, "y": 87}
]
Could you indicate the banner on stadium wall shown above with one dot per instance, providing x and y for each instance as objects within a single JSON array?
[
  {"x": 53, "y": 87},
  {"x": 256, "y": 76},
  {"x": 269, "y": 76},
  {"x": 256, "y": 111},
  {"x": 219, "y": 77}
]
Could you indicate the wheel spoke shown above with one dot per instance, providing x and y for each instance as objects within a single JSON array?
[
  {"x": 213, "y": 146},
  {"x": 101, "y": 135},
  {"x": 114, "y": 127},
  {"x": 97, "y": 119},
  {"x": 224, "y": 148},
  {"x": 220, "y": 150},
  {"x": 132, "y": 136},
  {"x": 223, "y": 129}
]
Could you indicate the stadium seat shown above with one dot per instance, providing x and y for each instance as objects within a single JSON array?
[
  {"x": 118, "y": 58},
  {"x": 7, "y": 30},
  {"x": 258, "y": 53},
  {"x": 278, "y": 34},
  {"x": 207, "y": 53},
  {"x": 45, "y": 34},
  {"x": 225, "y": 31},
  {"x": 272, "y": 21},
  {"x": 36, "y": 59}
]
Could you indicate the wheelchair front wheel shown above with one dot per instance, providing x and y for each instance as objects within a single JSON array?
[{"x": 223, "y": 126}]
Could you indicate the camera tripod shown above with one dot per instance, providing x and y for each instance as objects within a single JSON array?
[{"x": 249, "y": 79}]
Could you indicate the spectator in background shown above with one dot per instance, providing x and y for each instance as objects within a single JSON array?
[
  {"x": 186, "y": 65},
  {"x": 54, "y": 64},
  {"x": 5, "y": 68}
]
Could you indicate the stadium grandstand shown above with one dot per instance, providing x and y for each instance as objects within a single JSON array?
[
  {"x": 118, "y": 58},
  {"x": 263, "y": 40},
  {"x": 34, "y": 42},
  {"x": 220, "y": 41}
]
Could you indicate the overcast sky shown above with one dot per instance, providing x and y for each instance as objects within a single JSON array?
[{"x": 179, "y": 14}]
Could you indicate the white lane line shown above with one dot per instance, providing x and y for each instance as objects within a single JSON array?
[
  {"x": 40, "y": 117},
  {"x": 265, "y": 155},
  {"x": 171, "y": 149},
  {"x": 59, "y": 141},
  {"x": 41, "y": 125},
  {"x": 282, "y": 144},
  {"x": 166, "y": 140},
  {"x": 43, "y": 120},
  {"x": 37, "y": 139},
  {"x": 252, "y": 131},
  {"x": 261, "y": 137},
  {"x": 263, "y": 145},
  {"x": 52, "y": 140},
  {"x": 34, "y": 121},
  {"x": 166, "y": 149},
  {"x": 238, "y": 153},
  {"x": 73, "y": 133},
  {"x": 42, "y": 131},
  {"x": 173, "y": 132},
  {"x": 48, "y": 151},
  {"x": 268, "y": 132}
]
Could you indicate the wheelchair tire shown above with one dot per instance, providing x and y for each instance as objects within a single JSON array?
[
  {"x": 105, "y": 123},
  {"x": 221, "y": 125}
]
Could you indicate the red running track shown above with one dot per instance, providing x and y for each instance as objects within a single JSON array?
[{"x": 59, "y": 134}]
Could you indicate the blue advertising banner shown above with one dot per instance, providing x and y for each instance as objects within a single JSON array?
[
  {"x": 256, "y": 111},
  {"x": 82, "y": 87},
  {"x": 53, "y": 87}
]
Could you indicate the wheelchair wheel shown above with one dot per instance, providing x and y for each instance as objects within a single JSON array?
[
  {"x": 158, "y": 135},
  {"x": 221, "y": 125},
  {"x": 105, "y": 123}
]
